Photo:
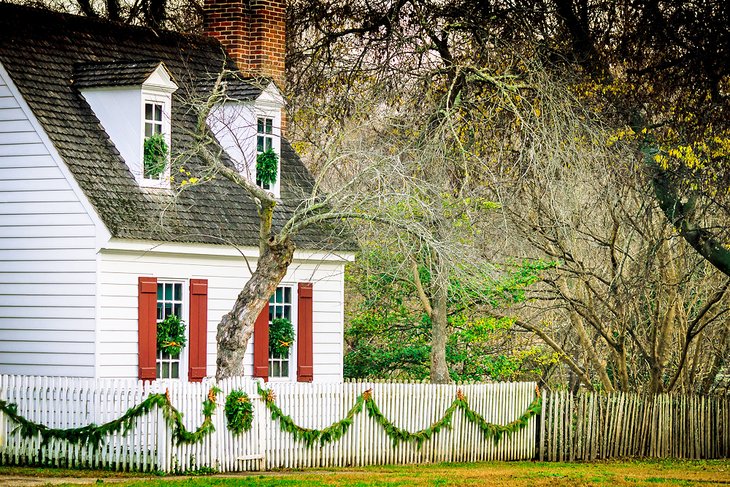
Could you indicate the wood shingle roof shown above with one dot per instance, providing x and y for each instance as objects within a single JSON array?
[{"x": 49, "y": 56}]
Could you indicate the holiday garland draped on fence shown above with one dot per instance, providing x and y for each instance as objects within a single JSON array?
[
  {"x": 94, "y": 435},
  {"x": 335, "y": 431}
]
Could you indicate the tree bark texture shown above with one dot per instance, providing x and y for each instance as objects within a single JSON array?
[
  {"x": 236, "y": 327},
  {"x": 439, "y": 325}
]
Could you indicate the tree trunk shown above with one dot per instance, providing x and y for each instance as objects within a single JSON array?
[
  {"x": 236, "y": 327},
  {"x": 577, "y": 321},
  {"x": 439, "y": 331}
]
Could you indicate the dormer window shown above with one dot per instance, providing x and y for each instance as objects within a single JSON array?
[
  {"x": 247, "y": 128},
  {"x": 156, "y": 142},
  {"x": 133, "y": 100},
  {"x": 264, "y": 142}
]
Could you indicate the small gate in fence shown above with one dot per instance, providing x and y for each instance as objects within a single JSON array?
[{"x": 148, "y": 444}]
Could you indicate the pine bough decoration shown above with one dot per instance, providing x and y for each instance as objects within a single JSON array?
[
  {"x": 94, "y": 435},
  {"x": 239, "y": 412},
  {"x": 336, "y": 430}
]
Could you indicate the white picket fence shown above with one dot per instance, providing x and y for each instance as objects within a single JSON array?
[{"x": 65, "y": 403}]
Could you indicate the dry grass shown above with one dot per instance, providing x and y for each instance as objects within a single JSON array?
[{"x": 614, "y": 474}]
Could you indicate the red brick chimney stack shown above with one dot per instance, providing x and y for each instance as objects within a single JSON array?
[{"x": 253, "y": 32}]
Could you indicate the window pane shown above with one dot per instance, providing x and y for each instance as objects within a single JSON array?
[
  {"x": 175, "y": 370},
  {"x": 287, "y": 295},
  {"x": 279, "y": 312},
  {"x": 168, "y": 291},
  {"x": 159, "y": 292},
  {"x": 148, "y": 130},
  {"x": 285, "y": 369},
  {"x": 260, "y": 143},
  {"x": 269, "y": 125},
  {"x": 158, "y": 113},
  {"x": 275, "y": 370},
  {"x": 158, "y": 370},
  {"x": 148, "y": 111},
  {"x": 165, "y": 373},
  {"x": 160, "y": 315},
  {"x": 168, "y": 309},
  {"x": 260, "y": 128},
  {"x": 158, "y": 129},
  {"x": 278, "y": 294},
  {"x": 178, "y": 291},
  {"x": 269, "y": 143},
  {"x": 287, "y": 313},
  {"x": 177, "y": 310}
]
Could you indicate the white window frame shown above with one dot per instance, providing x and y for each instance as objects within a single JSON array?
[
  {"x": 184, "y": 354},
  {"x": 293, "y": 349},
  {"x": 273, "y": 113},
  {"x": 166, "y": 101}
]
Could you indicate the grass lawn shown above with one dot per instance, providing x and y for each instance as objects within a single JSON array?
[{"x": 610, "y": 473}]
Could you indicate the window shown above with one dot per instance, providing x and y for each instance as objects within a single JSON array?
[
  {"x": 264, "y": 140},
  {"x": 169, "y": 302},
  {"x": 154, "y": 153},
  {"x": 280, "y": 306},
  {"x": 152, "y": 119}
]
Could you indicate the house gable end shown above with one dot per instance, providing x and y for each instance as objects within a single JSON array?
[{"x": 102, "y": 233}]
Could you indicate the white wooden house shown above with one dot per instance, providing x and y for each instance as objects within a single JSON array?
[{"x": 94, "y": 250}]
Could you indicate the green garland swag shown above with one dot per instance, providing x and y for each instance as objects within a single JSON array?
[
  {"x": 335, "y": 431},
  {"x": 239, "y": 412},
  {"x": 94, "y": 435}
]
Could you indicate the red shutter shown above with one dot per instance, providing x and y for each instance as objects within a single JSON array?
[
  {"x": 147, "y": 328},
  {"x": 304, "y": 334},
  {"x": 198, "y": 346},
  {"x": 261, "y": 344}
]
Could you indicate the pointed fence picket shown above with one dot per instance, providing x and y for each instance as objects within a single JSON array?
[{"x": 59, "y": 402}]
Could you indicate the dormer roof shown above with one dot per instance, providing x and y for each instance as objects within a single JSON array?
[
  {"x": 122, "y": 73},
  {"x": 51, "y": 57}
]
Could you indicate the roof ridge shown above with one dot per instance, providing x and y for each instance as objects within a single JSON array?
[{"x": 102, "y": 21}]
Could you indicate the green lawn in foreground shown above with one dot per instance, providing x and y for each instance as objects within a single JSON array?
[{"x": 627, "y": 473}]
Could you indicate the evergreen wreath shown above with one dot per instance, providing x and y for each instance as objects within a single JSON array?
[
  {"x": 335, "y": 431},
  {"x": 267, "y": 164},
  {"x": 239, "y": 411},
  {"x": 281, "y": 336},
  {"x": 94, "y": 435},
  {"x": 171, "y": 335},
  {"x": 155, "y": 155}
]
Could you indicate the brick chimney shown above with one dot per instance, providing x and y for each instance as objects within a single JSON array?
[{"x": 253, "y": 33}]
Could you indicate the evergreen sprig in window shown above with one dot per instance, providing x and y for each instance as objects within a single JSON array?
[
  {"x": 267, "y": 165},
  {"x": 171, "y": 335},
  {"x": 155, "y": 156},
  {"x": 281, "y": 336}
]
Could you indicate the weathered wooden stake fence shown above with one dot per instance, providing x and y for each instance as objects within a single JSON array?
[
  {"x": 599, "y": 426},
  {"x": 65, "y": 403}
]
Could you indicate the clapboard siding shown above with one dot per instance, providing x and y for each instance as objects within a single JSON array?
[
  {"x": 47, "y": 257},
  {"x": 226, "y": 276}
]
